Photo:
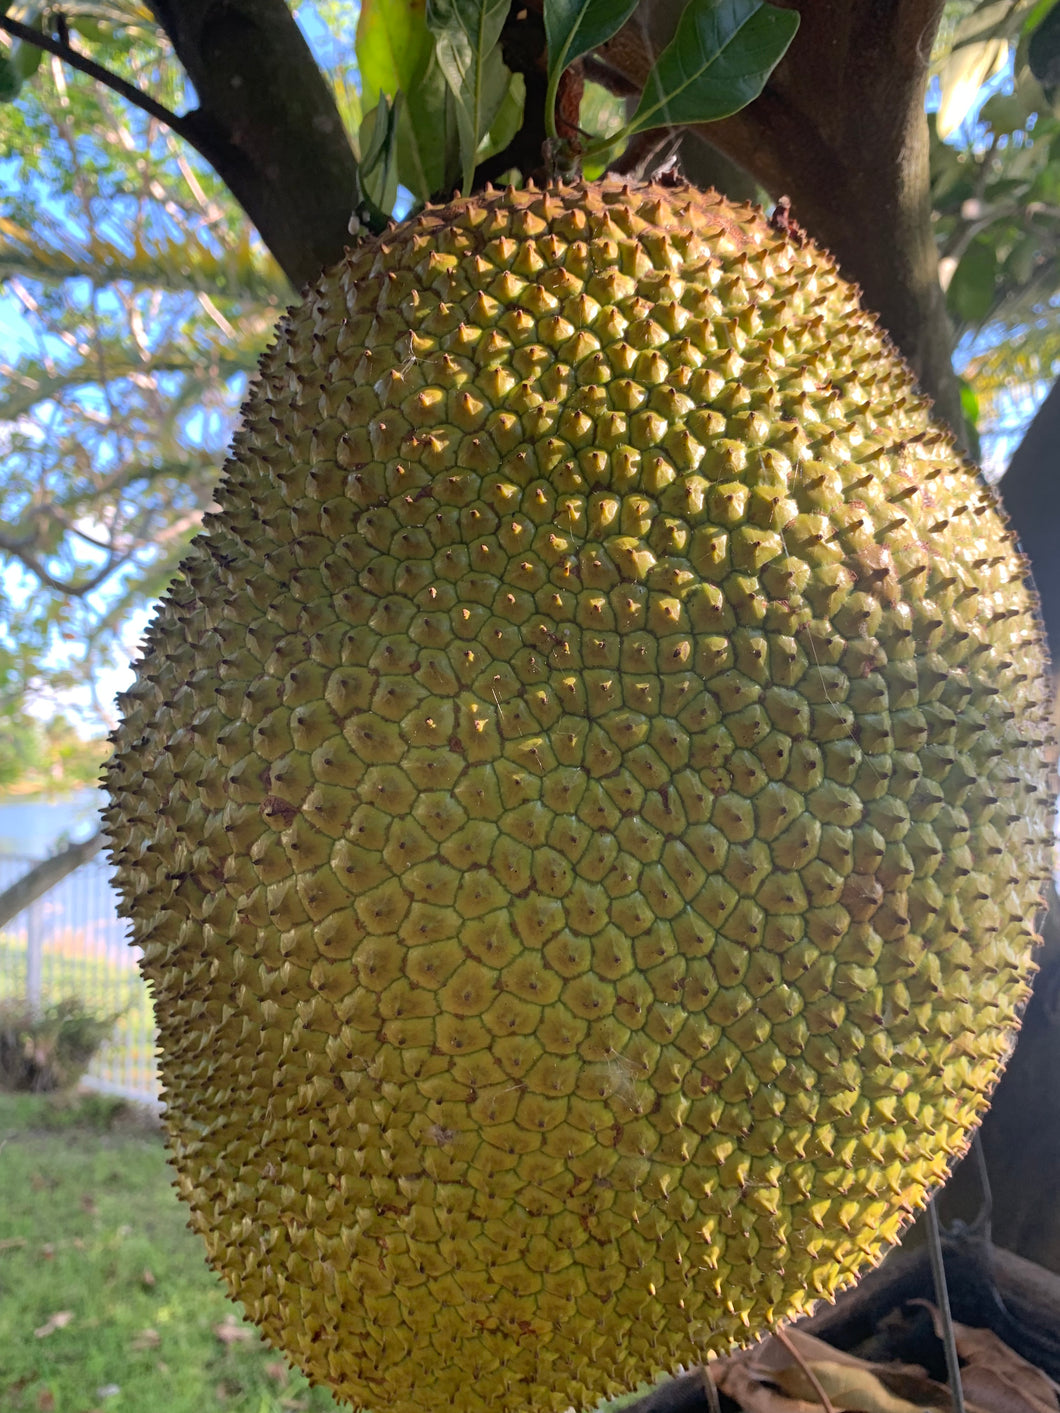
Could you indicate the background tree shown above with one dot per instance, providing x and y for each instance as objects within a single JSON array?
[{"x": 175, "y": 170}]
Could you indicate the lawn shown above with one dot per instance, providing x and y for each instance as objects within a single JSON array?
[{"x": 106, "y": 1303}]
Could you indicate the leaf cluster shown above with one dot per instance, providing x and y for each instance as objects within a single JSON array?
[{"x": 443, "y": 97}]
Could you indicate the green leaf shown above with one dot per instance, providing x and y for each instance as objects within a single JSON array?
[
  {"x": 970, "y": 295},
  {"x": 26, "y": 58},
  {"x": 393, "y": 47},
  {"x": 572, "y": 28},
  {"x": 377, "y": 177},
  {"x": 969, "y": 403},
  {"x": 10, "y": 81},
  {"x": 429, "y": 136},
  {"x": 395, "y": 54},
  {"x": 467, "y": 41},
  {"x": 603, "y": 116},
  {"x": 508, "y": 121},
  {"x": 716, "y": 63}
]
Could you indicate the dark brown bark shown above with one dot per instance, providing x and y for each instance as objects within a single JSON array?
[
  {"x": 46, "y": 875},
  {"x": 840, "y": 129},
  {"x": 268, "y": 124},
  {"x": 1030, "y": 491},
  {"x": 1021, "y": 1131}
]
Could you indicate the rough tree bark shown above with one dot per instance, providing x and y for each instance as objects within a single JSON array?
[
  {"x": 268, "y": 124},
  {"x": 1030, "y": 490}
]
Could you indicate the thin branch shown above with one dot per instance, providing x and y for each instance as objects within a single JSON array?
[
  {"x": 45, "y": 875},
  {"x": 110, "y": 80}
]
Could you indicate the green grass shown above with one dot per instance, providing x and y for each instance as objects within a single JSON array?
[{"x": 90, "y": 1229}]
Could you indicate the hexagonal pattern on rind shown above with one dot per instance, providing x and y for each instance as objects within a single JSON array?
[{"x": 582, "y": 804}]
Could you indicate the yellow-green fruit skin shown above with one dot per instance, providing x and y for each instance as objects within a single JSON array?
[{"x": 583, "y": 804}]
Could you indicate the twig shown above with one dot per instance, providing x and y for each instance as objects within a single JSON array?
[
  {"x": 818, "y": 1388},
  {"x": 107, "y": 77},
  {"x": 710, "y": 1389},
  {"x": 981, "y": 1227},
  {"x": 942, "y": 1299}
]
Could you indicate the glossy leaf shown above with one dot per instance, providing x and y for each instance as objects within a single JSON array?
[
  {"x": 971, "y": 290},
  {"x": 603, "y": 115},
  {"x": 10, "y": 81},
  {"x": 393, "y": 47},
  {"x": 428, "y": 135},
  {"x": 467, "y": 42},
  {"x": 716, "y": 63},
  {"x": 395, "y": 54},
  {"x": 508, "y": 121},
  {"x": 377, "y": 176},
  {"x": 574, "y": 27},
  {"x": 1043, "y": 49}
]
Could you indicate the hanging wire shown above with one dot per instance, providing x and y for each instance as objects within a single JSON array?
[{"x": 942, "y": 1300}]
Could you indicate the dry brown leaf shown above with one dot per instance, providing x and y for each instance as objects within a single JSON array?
[
  {"x": 146, "y": 1339},
  {"x": 777, "y": 1376},
  {"x": 994, "y": 1375},
  {"x": 739, "y": 1383},
  {"x": 232, "y": 1331},
  {"x": 58, "y": 1321},
  {"x": 45, "y": 1401},
  {"x": 847, "y": 1387},
  {"x": 147, "y": 1278}
]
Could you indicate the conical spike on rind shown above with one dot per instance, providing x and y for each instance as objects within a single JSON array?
[{"x": 581, "y": 839}]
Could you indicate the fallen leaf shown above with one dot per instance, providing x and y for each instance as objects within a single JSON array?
[
  {"x": 10, "y": 1243},
  {"x": 146, "y": 1339},
  {"x": 88, "y": 1203},
  {"x": 47, "y": 1251},
  {"x": 231, "y": 1331},
  {"x": 993, "y": 1375},
  {"x": 45, "y": 1401},
  {"x": 740, "y": 1384},
  {"x": 789, "y": 1375},
  {"x": 857, "y": 1390},
  {"x": 147, "y": 1278},
  {"x": 58, "y": 1321}
]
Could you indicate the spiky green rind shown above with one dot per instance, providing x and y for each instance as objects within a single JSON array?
[{"x": 581, "y": 805}]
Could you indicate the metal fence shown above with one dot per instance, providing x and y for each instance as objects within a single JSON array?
[{"x": 71, "y": 943}]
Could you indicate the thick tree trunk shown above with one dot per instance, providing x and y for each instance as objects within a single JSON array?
[
  {"x": 1030, "y": 490},
  {"x": 1021, "y": 1132},
  {"x": 268, "y": 123}
]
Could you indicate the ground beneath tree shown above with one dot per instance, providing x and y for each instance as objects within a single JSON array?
[{"x": 879, "y": 1348}]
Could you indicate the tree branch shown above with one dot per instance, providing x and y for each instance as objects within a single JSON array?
[
  {"x": 1030, "y": 492},
  {"x": 268, "y": 124},
  {"x": 46, "y": 875},
  {"x": 96, "y": 71},
  {"x": 840, "y": 128}
]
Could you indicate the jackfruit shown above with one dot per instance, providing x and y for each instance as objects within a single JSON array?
[{"x": 582, "y": 804}]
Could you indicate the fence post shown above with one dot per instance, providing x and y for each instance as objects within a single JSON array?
[{"x": 34, "y": 956}]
